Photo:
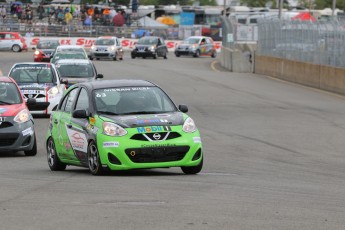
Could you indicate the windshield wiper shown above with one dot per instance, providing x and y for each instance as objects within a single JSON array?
[
  {"x": 107, "y": 112},
  {"x": 5, "y": 103}
]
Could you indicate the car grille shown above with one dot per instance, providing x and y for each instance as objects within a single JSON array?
[
  {"x": 34, "y": 95},
  {"x": 5, "y": 124},
  {"x": 8, "y": 139},
  {"x": 101, "y": 54},
  {"x": 153, "y": 136},
  {"x": 157, "y": 154}
]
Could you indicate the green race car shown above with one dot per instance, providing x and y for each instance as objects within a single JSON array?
[{"x": 121, "y": 125}]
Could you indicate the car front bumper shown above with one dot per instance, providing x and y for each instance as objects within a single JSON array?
[
  {"x": 122, "y": 153},
  {"x": 17, "y": 137}
]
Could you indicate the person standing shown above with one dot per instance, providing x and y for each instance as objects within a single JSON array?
[
  {"x": 29, "y": 14},
  {"x": 3, "y": 13},
  {"x": 40, "y": 11}
]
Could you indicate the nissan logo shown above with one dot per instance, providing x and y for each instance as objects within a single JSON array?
[{"x": 156, "y": 136}]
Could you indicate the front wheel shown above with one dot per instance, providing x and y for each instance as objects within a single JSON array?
[
  {"x": 214, "y": 54},
  {"x": 16, "y": 48},
  {"x": 193, "y": 169},
  {"x": 33, "y": 151},
  {"x": 197, "y": 53},
  {"x": 115, "y": 57},
  {"x": 53, "y": 159},
  {"x": 133, "y": 56},
  {"x": 95, "y": 165}
]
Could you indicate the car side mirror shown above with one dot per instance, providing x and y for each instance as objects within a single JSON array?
[
  {"x": 99, "y": 76},
  {"x": 31, "y": 102},
  {"x": 64, "y": 81},
  {"x": 81, "y": 113},
  {"x": 183, "y": 108}
]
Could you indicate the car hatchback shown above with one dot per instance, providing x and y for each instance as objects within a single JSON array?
[
  {"x": 45, "y": 49},
  {"x": 12, "y": 41},
  {"x": 121, "y": 125},
  {"x": 106, "y": 48},
  {"x": 17, "y": 131}
]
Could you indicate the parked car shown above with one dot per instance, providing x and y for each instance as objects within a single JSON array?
[
  {"x": 12, "y": 41},
  {"x": 45, "y": 49},
  {"x": 41, "y": 82},
  {"x": 196, "y": 46},
  {"x": 76, "y": 70},
  {"x": 106, "y": 48},
  {"x": 17, "y": 132},
  {"x": 150, "y": 46},
  {"x": 121, "y": 125},
  {"x": 69, "y": 52}
]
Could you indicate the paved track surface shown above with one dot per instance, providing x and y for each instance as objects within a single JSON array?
[{"x": 274, "y": 159}]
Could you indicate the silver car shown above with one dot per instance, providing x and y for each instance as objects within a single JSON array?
[{"x": 106, "y": 48}]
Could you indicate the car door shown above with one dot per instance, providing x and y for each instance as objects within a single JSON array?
[
  {"x": 159, "y": 47},
  {"x": 203, "y": 46},
  {"x": 62, "y": 120},
  {"x": 209, "y": 46},
  {"x": 6, "y": 42},
  {"x": 78, "y": 128},
  {"x": 2, "y": 41}
]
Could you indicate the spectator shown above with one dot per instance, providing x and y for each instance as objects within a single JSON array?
[
  {"x": 13, "y": 8},
  {"x": 29, "y": 14},
  {"x": 68, "y": 18},
  {"x": 106, "y": 16},
  {"x": 97, "y": 13},
  {"x": 90, "y": 11},
  {"x": 112, "y": 12},
  {"x": 3, "y": 13},
  {"x": 19, "y": 12},
  {"x": 119, "y": 19},
  {"x": 40, "y": 11}
]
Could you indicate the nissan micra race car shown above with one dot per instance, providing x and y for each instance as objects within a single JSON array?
[
  {"x": 17, "y": 131},
  {"x": 121, "y": 125},
  {"x": 41, "y": 82}
]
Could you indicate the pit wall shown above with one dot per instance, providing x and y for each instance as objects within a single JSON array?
[
  {"x": 239, "y": 60},
  {"x": 327, "y": 78}
]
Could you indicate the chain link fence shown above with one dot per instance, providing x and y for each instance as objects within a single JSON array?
[{"x": 320, "y": 42}]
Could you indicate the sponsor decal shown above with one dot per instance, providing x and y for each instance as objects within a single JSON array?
[
  {"x": 158, "y": 145},
  {"x": 111, "y": 144},
  {"x": 67, "y": 146},
  {"x": 94, "y": 129},
  {"x": 156, "y": 120},
  {"x": 27, "y": 131},
  {"x": 4, "y": 83},
  {"x": 2, "y": 110},
  {"x": 150, "y": 129},
  {"x": 78, "y": 140},
  {"x": 92, "y": 120},
  {"x": 197, "y": 139}
]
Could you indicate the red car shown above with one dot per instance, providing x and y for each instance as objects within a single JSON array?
[
  {"x": 17, "y": 131},
  {"x": 12, "y": 41},
  {"x": 45, "y": 49}
]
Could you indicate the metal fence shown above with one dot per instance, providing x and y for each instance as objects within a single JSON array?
[{"x": 321, "y": 42}]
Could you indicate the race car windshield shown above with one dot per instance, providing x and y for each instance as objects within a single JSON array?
[
  {"x": 60, "y": 56},
  {"x": 32, "y": 74},
  {"x": 105, "y": 42},
  {"x": 147, "y": 41},
  {"x": 191, "y": 41},
  {"x": 75, "y": 70},
  {"x": 133, "y": 100},
  {"x": 9, "y": 94},
  {"x": 47, "y": 45}
]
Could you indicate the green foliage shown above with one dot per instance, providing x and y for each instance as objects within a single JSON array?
[
  {"x": 321, "y": 4},
  {"x": 256, "y": 3}
]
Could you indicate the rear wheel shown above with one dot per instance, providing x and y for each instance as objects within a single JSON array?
[
  {"x": 16, "y": 48},
  {"x": 177, "y": 55},
  {"x": 95, "y": 165},
  {"x": 33, "y": 151},
  {"x": 53, "y": 160},
  {"x": 91, "y": 58},
  {"x": 193, "y": 169},
  {"x": 165, "y": 55},
  {"x": 214, "y": 54}
]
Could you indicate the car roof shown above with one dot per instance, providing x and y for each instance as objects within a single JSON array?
[
  {"x": 72, "y": 61},
  {"x": 69, "y": 46},
  {"x": 33, "y": 63},
  {"x": 106, "y": 37},
  {"x": 101, "y": 84}
]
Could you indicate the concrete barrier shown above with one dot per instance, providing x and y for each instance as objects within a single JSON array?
[
  {"x": 236, "y": 60},
  {"x": 327, "y": 78}
]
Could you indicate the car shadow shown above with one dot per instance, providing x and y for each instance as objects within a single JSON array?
[{"x": 127, "y": 173}]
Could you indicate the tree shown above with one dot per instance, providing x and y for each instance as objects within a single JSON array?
[{"x": 321, "y": 4}]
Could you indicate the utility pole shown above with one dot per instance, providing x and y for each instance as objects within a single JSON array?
[
  {"x": 333, "y": 7},
  {"x": 280, "y": 8}
]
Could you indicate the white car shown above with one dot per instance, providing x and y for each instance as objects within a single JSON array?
[
  {"x": 41, "y": 82},
  {"x": 107, "y": 48},
  {"x": 69, "y": 52}
]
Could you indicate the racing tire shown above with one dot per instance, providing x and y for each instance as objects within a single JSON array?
[
  {"x": 91, "y": 58},
  {"x": 177, "y": 55},
  {"x": 121, "y": 58},
  {"x": 97, "y": 58},
  {"x": 197, "y": 54},
  {"x": 144, "y": 57},
  {"x": 132, "y": 56},
  {"x": 193, "y": 169},
  {"x": 16, "y": 48},
  {"x": 154, "y": 56},
  {"x": 214, "y": 54},
  {"x": 115, "y": 58},
  {"x": 54, "y": 162},
  {"x": 165, "y": 56},
  {"x": 33, "y": 151},
  {"x": 93, "y": 159}
]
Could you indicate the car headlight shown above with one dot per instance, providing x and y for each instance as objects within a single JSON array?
[
  {"x": 152, "y": 48},
  {"x": 113, "y": 48},
  {"x": 114, "y": 130},
  {"x": 189, "y": 125},
  {"x": 53, "y": 90},
  {"x": 93, "y": 47},
  {"x": 37, "y": 52},
  {"x": 22, "y": 116},
  {"x": 193, "y": 47}
]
